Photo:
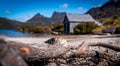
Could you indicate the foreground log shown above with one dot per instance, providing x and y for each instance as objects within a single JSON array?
[
  {"x": 60, "y": 50},
  {"x": 115, "y": 48},
  {"x": 9, "y": 57}
]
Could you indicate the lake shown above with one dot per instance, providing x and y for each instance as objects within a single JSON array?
[{"x": 14, "y": 33}]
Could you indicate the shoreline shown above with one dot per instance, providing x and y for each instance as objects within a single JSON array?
[{"x": 70, "y": 38}]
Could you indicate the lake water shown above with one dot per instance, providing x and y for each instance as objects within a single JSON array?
[{"x": 14, "y": 33}]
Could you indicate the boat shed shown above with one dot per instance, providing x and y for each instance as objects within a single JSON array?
[{"x": 71, "y": 20}]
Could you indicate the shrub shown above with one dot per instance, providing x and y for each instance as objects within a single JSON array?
[
  {"x": 57, "y": 27},
  {"x": 85, "y": 28},
  {"x": 99, "y": 29},
  {"x": 113, "y": 22},
  {"x": 34, "y": 29}
]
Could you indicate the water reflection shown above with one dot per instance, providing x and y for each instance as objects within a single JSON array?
[{"x": 14, "y": 33}]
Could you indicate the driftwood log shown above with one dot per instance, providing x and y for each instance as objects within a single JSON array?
[
  {"x": 9, "y": 57},
  {"x": 57, "y": 48}
]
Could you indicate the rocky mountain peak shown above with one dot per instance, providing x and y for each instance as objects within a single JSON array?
[
  {"x": 107, "y": 10},
  {"x": 38, "y": 15},
  {"x": 58, "y": 17},
  {"x": 39, "y": 19},
  {"x": 57, "y": 14},
  {"x": 115, "y": 0}
]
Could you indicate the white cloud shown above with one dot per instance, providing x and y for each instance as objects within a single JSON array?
[
  {"x": 99, "y": 5},
  {"x": 24, "y": 19},
  {"x": 80, "y": 9},
  {"x": 7, "y": 11},
  {"x": 64, "y": 6},
  {"x": 95, "y": 6}
]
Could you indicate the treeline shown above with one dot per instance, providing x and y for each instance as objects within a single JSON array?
[{"x": 41, "y": 29}]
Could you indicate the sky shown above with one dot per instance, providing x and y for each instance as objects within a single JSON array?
[{"x": 22, "y": 10}]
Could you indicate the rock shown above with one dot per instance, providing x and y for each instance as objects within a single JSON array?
[
  {"x": 63, "y": 65},
  {"x": 58, "y": 41},
  {"x": 61, "y": 60},
  {"x": 50, "y": 41},
  {"x": 52, "y": 64}
]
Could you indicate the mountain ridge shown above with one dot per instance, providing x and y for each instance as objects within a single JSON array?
[
  {"x": 6, "y": 23},
  {"x": 39, "y": 19},
  {"x": 107, "y": 10}
]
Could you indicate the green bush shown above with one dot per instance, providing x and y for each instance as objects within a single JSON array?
[
  {"x": 34, "y": 29},
  {"x": 99, "y": 30},
  {"x": 41, "y": 29},
  {"x": 85, "y": 28},
  {"x": 113, "y": 22},
  {"x": 57, "y": 27}
]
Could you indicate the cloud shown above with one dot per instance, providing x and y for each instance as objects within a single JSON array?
[
  {"x": 99, "y": 5},
  {"x": 64, "y": 6},
  {"x": 24, "y": 19},
  {"x": 95, "y": 6},
  {"x": 80, "y": 10},
  {"x": 7, "y": 11}
]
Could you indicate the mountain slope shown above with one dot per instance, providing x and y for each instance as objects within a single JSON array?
[
  {"x": 9, "y": 24},
  {"x": 58, "y": 17},
  {"x": 107, "y": 10},
  {"x": 38, "y": 19}
]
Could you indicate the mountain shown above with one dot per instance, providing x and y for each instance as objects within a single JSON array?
[
  {"x": 58, "y": 17},
  {"x": 107, "y": 10},
  {"x": 39, "y": 19},
  {"x": 9, "y": 24}
]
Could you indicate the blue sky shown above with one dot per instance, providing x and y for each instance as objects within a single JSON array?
[{"x": 23, "y": 10}]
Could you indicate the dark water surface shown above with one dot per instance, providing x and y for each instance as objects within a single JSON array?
[{"x": 14, "y": 33}]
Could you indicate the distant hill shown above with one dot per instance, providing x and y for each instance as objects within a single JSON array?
[
  {"x": 107, "y": 10},
  {"x": 39, "y": 19},
  {"x": 9, "y": 24}
]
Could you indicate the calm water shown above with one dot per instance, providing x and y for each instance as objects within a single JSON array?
[{"x": 13, "y": 33}]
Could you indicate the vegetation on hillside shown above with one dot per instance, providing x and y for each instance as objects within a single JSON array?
[
  {"x": 41, "y": 29},
  {"x": 113, "y": 22}
]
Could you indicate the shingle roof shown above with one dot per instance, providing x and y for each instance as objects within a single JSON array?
[{"x": 79, "y": 17}]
